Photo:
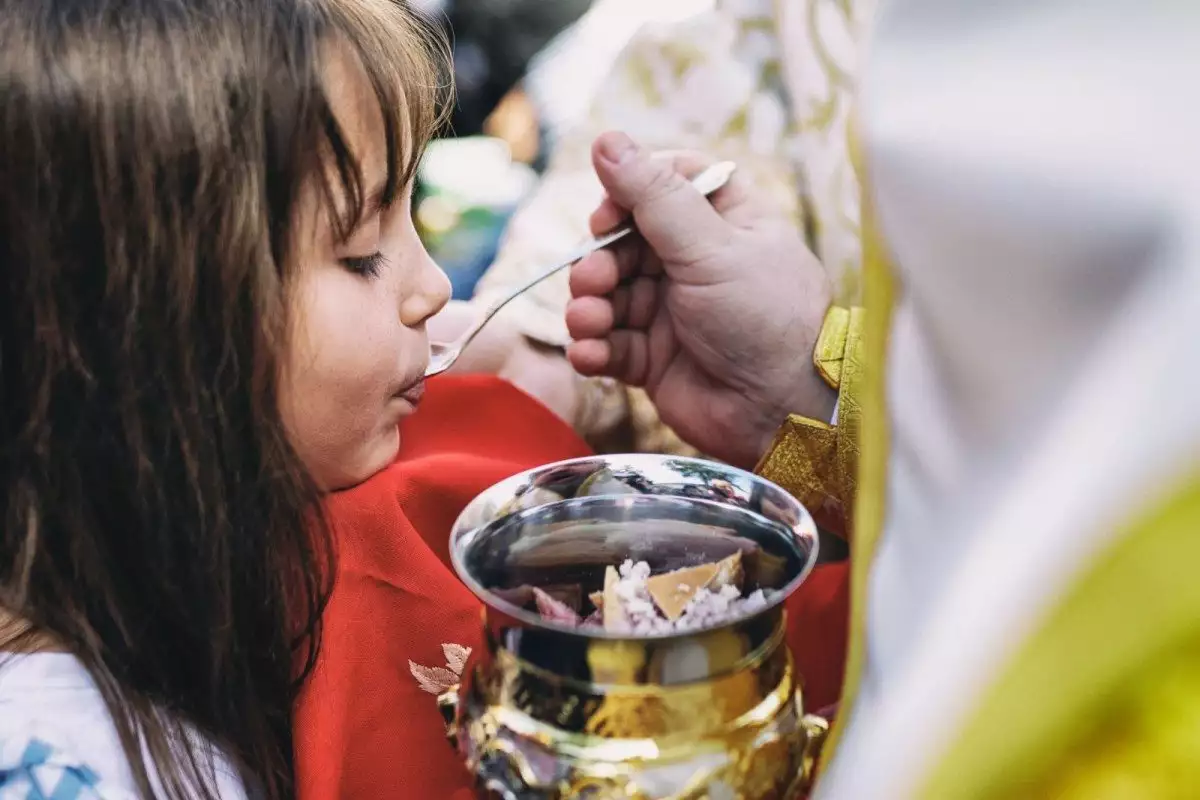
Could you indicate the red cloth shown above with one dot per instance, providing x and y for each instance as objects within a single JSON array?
[{"x": 364, "y": 728}]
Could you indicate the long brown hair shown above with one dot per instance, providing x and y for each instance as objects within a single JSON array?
[{"x": 155, "y": 519}]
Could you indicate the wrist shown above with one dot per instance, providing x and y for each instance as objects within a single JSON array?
[
  {"x": 812, "y": 398},
  {"x": 806, "y": 389}
]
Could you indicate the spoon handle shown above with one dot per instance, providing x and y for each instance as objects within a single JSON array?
[{"x": 580, "y": 252}]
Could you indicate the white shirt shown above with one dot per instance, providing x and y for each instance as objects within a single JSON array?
[{"x": 55, "y": 731}]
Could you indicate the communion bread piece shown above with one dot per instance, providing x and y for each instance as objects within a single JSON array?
[
  {"x": 689, "y": 599},
  {"x": 729, "y": 572},
  {"x": 641, "y": 617},
  {"x": 612, "y": 610},
  {"x": 673, "y": 591}
]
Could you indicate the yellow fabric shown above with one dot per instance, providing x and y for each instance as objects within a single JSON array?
[
  {"x": 857, "y": 448},
  {"x": 802, "y": 461},
  {"x": 814, "y": 461},
  {"x": 851, "y": 396},
  {"x": 1104, "y": 700},
  {"x": 1150, "y": 751},
  {"x": 830, "y": 351},
  {"x": 863, "y": 411}
]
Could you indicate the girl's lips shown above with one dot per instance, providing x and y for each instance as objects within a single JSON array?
[{"x": 413, "y": 394}]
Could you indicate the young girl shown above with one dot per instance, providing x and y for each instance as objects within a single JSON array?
[{"x": 212, "y": 308}]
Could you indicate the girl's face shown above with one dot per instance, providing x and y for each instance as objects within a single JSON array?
[{"x": 358, "y": 346}]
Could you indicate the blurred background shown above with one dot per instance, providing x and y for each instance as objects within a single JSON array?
[{"x": 526, "y": 70}]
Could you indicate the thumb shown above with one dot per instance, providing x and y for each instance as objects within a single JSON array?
[{"x": 672, "y": 215}]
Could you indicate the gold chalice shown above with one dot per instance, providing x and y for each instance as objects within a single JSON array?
[{"x": 550, "y": 710}]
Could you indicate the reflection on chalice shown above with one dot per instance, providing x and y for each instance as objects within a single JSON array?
[{"x": 634, "y": 631}]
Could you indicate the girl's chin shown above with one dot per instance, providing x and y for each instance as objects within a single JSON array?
[{"x": 369, "y": 460}]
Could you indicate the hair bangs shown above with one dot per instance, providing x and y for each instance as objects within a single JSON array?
[{"x": 407, "y": 60}]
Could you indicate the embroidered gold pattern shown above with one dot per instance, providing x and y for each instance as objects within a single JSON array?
[{"x": 815, "y": 462}]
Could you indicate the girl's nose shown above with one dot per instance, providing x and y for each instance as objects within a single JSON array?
[{"x": 432, "y": 292}]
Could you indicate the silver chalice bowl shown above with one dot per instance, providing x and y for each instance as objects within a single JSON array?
[{"x": 555, "y": 707}]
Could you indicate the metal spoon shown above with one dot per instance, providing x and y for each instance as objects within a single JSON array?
[{"x": 444, "y": 354}]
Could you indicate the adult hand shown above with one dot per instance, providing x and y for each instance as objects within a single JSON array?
[{"x": 714, "y": 309}]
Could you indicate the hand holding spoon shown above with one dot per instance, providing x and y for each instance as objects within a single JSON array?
[{"x": 444, "y": 354}]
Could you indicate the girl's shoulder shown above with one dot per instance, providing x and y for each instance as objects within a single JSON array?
[{"x": 57, "y": 739}]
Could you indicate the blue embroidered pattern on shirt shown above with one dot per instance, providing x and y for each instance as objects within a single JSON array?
[{"x": 40, "y": 773}]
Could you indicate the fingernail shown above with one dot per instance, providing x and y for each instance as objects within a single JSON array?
[{"x": 616, "y": 148}]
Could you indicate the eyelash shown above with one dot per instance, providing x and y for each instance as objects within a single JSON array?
[{"x": 366, "y": 266}]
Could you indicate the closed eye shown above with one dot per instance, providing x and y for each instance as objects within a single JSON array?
[{"x": 366, "y": 266}]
